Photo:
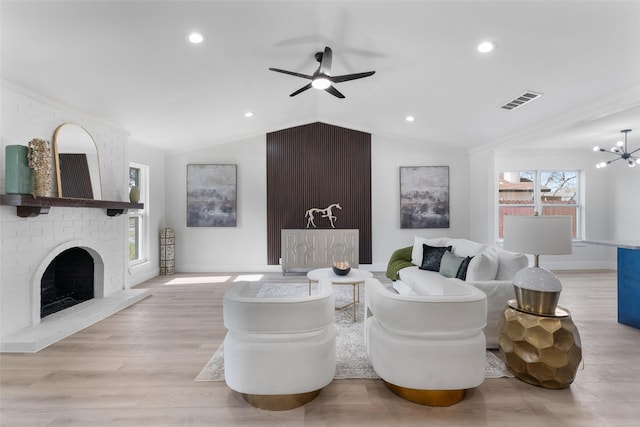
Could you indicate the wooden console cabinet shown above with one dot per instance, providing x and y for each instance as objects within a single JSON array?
[{"x": 310, "y": 248}]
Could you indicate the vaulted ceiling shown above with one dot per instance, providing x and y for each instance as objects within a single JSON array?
[{"x": 129, "y": 63}]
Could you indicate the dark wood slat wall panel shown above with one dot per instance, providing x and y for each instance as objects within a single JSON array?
[{"x": 316, "y": 165}]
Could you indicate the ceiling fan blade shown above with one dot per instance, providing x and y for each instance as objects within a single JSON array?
[
  {"x": 333, "y": 91},
  {"x": 291, "y": 73},
  {"x": 322, "y": 74},
  {"x": 325, "y": 64},
  {"x": 302, "y": 89},
  {"x": 347, "y": 77}
]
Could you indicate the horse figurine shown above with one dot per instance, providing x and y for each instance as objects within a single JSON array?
[{"x": 326, "y": 213}]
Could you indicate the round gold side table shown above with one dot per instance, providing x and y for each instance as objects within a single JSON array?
[{"x": 543, "y": 350}]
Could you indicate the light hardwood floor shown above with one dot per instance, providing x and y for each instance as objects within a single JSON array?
[{"x": 137, "y": 368}]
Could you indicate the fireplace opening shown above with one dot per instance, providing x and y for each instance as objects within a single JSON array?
[{"x": 67, "y": 281}]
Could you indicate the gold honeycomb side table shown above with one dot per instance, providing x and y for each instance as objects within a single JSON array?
[{"x": 543, "y": 350}]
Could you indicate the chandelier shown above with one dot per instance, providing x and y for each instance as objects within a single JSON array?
[{"x": 621, "y": 151}]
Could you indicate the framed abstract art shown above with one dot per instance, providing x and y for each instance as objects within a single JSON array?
[
  {"x": 424, "y": 197},
  {"x": 211, "y": 196}
]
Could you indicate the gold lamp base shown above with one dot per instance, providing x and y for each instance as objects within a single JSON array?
[
  {"x": 428, "y": 397},
  {"x": 538, "y": 302},
  {"x": 280, "y": 402}
]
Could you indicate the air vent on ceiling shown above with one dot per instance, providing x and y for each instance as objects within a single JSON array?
[{"x": 525, "y": 98}]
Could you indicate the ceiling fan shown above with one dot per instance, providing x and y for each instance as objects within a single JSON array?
[{"x": 322, "y": 78}]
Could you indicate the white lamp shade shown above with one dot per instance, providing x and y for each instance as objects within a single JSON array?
[{"x": 538, "y": 235}]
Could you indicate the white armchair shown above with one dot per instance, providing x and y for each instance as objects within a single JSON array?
[
  {"x": 427, "y": 348},
  {"x": 279, "y": 352}
]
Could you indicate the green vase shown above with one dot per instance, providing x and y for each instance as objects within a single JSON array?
[
  {"x": 18, "y": 177},
  {"x": 134, "y": 194}
]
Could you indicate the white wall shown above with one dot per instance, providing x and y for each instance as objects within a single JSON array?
[
  {"x": 207, "y": 249},
  {"x": 244, "y": 247},
  {"x": 473, "y": 189},
  {"x": 154, "y": 158},
  {"x": 624, "y": 200},
  {"x": 482, "y": 198},
  {"x": 387, "y": 155}
]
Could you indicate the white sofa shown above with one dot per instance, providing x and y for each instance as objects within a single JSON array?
[
  {"x": 490, "y": 269},
  {"x": 428, "y": 349},
  {"x": 279, "y": 351}
]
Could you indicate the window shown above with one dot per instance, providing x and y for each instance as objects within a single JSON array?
[
  {"x": 546, "y": 192},
  {"x": 138, "y": 217}
]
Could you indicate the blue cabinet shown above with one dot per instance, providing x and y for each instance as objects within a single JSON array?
[{"x": 629, "y": 287}]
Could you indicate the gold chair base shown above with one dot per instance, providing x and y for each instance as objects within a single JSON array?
[
  {"x": 280, "y": 402},
  {"x": 428, "y": 397}
]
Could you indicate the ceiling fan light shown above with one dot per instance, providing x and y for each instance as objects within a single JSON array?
[
  {"x": 601, "y": 165},
  {"x": 620, "y": 143},
  {"x": 320, "y": 83},
  {"x": 632, "y": 164},
  {"x": 596, "y": 148}
]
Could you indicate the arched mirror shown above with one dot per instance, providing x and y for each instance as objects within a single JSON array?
[{"x": 77, "y": 165}]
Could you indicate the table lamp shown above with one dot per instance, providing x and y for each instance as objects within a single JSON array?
[{"x": 537, "y": 289}]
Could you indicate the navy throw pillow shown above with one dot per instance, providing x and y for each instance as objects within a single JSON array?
[
  {"x": 462, "y": 270},
  {"x": 431, "y": 257}
]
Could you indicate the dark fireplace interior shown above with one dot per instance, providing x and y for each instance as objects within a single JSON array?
[{"x": 67, "y": 281}]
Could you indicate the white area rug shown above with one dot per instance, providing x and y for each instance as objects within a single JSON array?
[{"x": 351, "y": 357}]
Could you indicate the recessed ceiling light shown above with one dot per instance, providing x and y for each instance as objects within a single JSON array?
[
  {"x": 196, "y": 37},
  {"x": 248, "y": 114},
  {"x": 486, "y": 47},
  {"x": 410, "y": 118}
]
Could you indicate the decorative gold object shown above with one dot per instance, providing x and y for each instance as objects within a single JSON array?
[
  {"x": 543, "y": 350},
  {"x": 342, "y": 265},
  {"x": 537, "y": 302},
  {"x": 428, "y": 397},
  {"x": 341, "y": 268},
  {"x": 39, "y": 156},
  {"x": 280, "y": 402}
]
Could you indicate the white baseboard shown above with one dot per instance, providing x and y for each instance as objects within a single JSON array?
[
  {"x": 580, "y": 265},
  {"x": 256, "y": 268}
]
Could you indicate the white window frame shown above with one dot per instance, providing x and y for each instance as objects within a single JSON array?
[
  {"x": 141, "y": 214},
  {"x": 537, "y": 203}
]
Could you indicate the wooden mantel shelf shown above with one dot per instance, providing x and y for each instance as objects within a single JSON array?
[{"x": 30, "y": 206}]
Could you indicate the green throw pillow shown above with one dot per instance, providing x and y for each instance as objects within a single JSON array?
[{"x": 449, "y": 264}]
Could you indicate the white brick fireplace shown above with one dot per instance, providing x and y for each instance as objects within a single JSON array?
[{"x": 30, "y": 244}]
